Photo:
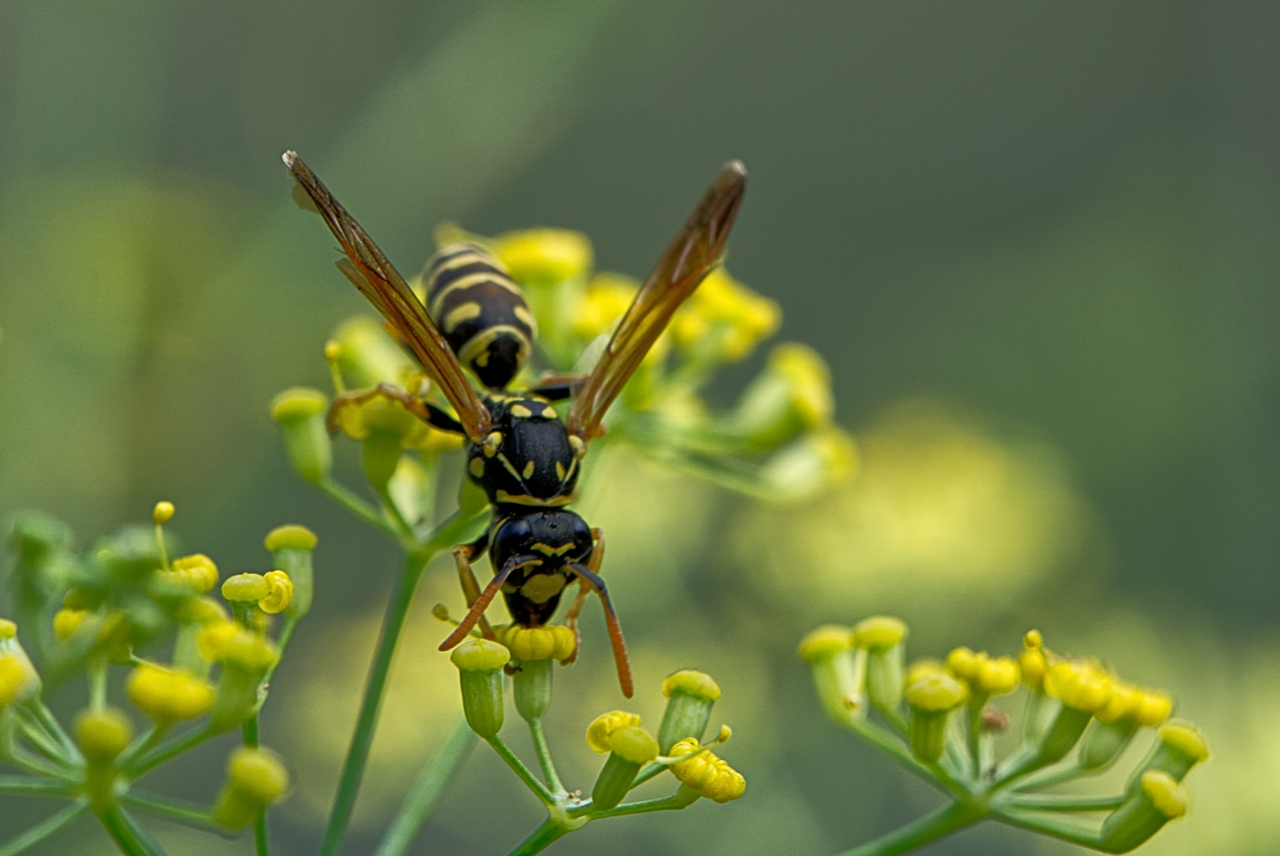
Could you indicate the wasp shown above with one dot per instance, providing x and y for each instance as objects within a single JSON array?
[{"x": 519, "y": 451}]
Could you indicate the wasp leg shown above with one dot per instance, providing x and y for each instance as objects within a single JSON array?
[
  {"x": 462, "y": 556},
  {"x": 571, "y": 617},
  {"x": 482, "y": 602},
  {"x": 428, "y": 413},
  {"x": 615, "y": 629},
  {"x": 557, "y": 387}
]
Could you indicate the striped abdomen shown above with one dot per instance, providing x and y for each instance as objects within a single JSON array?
[{"x": 480, "y": 311}]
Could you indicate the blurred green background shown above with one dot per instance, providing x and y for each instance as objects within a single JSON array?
[{"x": 1038, "y": 245}]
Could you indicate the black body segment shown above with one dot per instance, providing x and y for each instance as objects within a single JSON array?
[
  {"x": 527, "y": 458},
  {"x": 545, "y": 542},
  {"x": 481, "y": 312}
]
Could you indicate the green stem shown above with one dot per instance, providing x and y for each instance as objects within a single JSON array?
[
  {"x": 179, "y": 811},
  {"x": 671, "y": 803},
  {"x": 46, "y": 744},
  {"x": 261, "y": 841},
  {"x": 427, "y": 790},
  {"x": 125, "y": 834},
  {"x": 143, "y": 744},
  {"x": 35, "y": 787},
  {"x": 391, "y": 511},
  {"x": 362, "y": 738},
  {"x": 50, "y": 722},
  {"x": 1063, "y": 802},
  {"x": 97, "y": 684},
  {"x": 932, "y": 773},
  {"x": 929, "y": 828},
  {"x": 1053, "y": 776},
  {"x": 530, "y": 780},
  {"x": 448, "y": 532},
  {"x": 540, "y": 839},
  {"x": 1066, "y": 830},
  {"x": 282, "y": 644},
  {"x": 169, "y": 751},
  {"x": 358, "y": 507},
  {"x": 648, "y": 773},
  {"x": 44, "y": 829},
  {"x": 35, "y": 765},
  {"x": 544, "y": 756}
]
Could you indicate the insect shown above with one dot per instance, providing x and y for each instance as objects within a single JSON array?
[{"x": 520, "y": 452}]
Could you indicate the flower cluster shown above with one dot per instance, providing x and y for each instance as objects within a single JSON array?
[
  {"x": 938, "y": 720},
  {"x": 635, "y": 754},
  {"x": 119, "y": 605}
]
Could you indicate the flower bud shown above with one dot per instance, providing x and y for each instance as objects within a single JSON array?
[
  {"x": 1083, "y": 688},
  {"x": 480, "y": 663},
  {"x": 291, "y": 547},
  {"x": 837, "y": 671},
  {"x": 690, "y": 697},
  {"x": 19, "y": 680},
  {"x": 1156, "y": 800},
  {"x": 630, "y": 748},
  {"x": 245, "y": 588},
  {"x": 245, "y": 658},
  {"x": 1104, "y": 741},
  {"x": 1179, "y": 748},
  {"x": 600, "y": 731},
  {"x": 537, "y": 257},
  {"x": 168, "y": 695},
  {"x": 102, "y": 734},
  {"x": 932, "y": 698},
  {"x": 368, "y": 356},
  {"x": 255, "y": 779},
  {"x": 723, "y": 320},
  {"x": 531, "y": 688},
  {"x": 811, "y": 463},
  {"x": 706, "y": 773},
  {"x": 550, "y": 641},
  {"x": 790, "y": 396},
  {"x": 882, "y": 637},
  {"x": 300, "y": 414}
]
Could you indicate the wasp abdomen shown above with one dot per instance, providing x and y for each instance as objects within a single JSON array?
[{"x": 481, "y": 312}]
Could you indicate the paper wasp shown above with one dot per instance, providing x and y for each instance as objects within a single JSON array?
[{"x": 520, "y": 452}]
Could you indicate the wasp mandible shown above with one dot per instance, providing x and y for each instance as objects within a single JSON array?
[{"x": 519, "y": 451}]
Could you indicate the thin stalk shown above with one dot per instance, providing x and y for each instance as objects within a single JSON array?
[
  {"x": 124, "y": 834},
  {"x": 261, "y": 840},
  {"x": 97, "y": 672},
  {"x": 35, "y": 765},
  {"x": 1046, "y": 824},
  {"x": 282, "y": 644},
  {"x": 671, "y": 803},
  {"x": 169, "y": 751},
  {"x": 54, "y": 728},
  {"x": 144, "y": 743},
  {"x": 44, "y": 829},
  {"x": 34, "y": 787},
  {"x": 427, "y": 790},
  {"x": 540, "y": 839},
  {"x": 357, "y": 506},
  {"x": 932, "y": 773},
  {"x": 392, "y": 623},
  {"x": 1054, "y": 776},
  {"x": 46, "y": 744},
  {"x": 544, "y": 756},
  {"x": 525, "y": 774},
  {"x": 648, "y": 773},
  {"x": 931, "y": 827},
  {"x": 178, "y": 811},
  {"x": 1063, "y": 802},
  {"x": 392, "y": 512}
]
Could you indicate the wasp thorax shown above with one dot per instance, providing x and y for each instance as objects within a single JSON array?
[{"x": 528, "y": 458}]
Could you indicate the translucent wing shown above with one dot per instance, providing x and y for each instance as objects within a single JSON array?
[
  {"x": 690, "y": 257},
  {"x": 375, "y": 278}
]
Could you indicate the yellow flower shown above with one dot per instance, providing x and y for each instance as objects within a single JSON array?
[
  {"x": 706, "y": 772},
  {"x": 1080, "y": 685},
  {"x": 544, "y": 256},
  {"x": 600, "y": 732},
  {"x": 549, "y": 642},
  {"x": 279, "y": 592},
  {"x": 607, "y": 297},
  {"x": 169, "y": 695},
  {"x": 726, "y": 313}
]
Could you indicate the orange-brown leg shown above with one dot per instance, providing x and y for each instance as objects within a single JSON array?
[
  {"x": 571, "y": 617},
  {"x": 462, "y": 556}
]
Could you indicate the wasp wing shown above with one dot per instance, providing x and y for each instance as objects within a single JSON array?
[
  {"x": 373, "y": 275},
  {"x": 691, "y": 256}
]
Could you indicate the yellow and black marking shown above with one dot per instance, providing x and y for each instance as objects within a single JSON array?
[{"x": 481, "y": 312}]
